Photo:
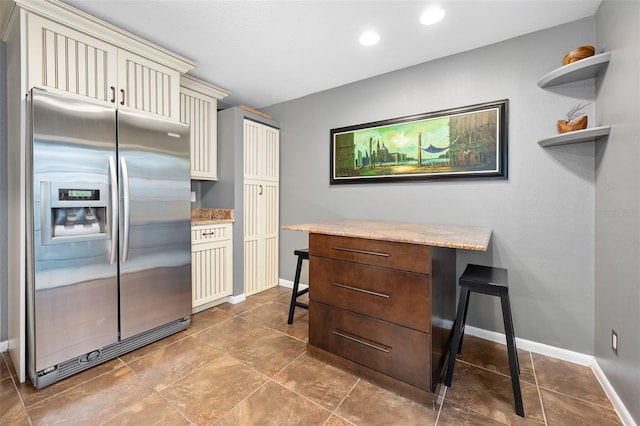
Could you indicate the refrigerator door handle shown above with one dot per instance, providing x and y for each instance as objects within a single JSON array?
[
  {"x": 125, "y": 203},
  {"x": 113, "y": 257}
]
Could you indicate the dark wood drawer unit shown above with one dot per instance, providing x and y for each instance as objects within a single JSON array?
[
  {"x": 366, "y": 290},
  {"x": 388, "y": 254},
  {"x": 379, "y": 345},
  {"x": 382, "y": 309}
]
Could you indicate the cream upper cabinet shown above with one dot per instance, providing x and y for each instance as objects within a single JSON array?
[
  {"x": 74, "y": 61},
  {"x": 198, "y": 108},
  {"x": 145, "y": 85},
  {"x": 261, "y": 206},
  {"x": 68, "y": 60}
]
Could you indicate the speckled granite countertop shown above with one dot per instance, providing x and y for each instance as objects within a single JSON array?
[
  {"x": 461, "y": 237},
  {"x": 211, "y": 216}
]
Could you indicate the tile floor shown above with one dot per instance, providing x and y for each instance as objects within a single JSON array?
[{"x": 243, "y": 365}]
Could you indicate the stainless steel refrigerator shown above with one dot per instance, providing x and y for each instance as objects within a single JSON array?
[{"x": 109, "y": 248}]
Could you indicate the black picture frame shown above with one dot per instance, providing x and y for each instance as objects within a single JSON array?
[{"x": 465, "y": 142}]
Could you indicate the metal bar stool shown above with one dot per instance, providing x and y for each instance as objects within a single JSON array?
[
  {"x": 495, "y": 282},
  {"x": 303, "y": 254}
]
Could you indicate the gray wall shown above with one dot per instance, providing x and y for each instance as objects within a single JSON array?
[
  {"x": 3, "y": 192},
  {"x": 617, "y": 208},
  {"x": 542, "y": 216}
]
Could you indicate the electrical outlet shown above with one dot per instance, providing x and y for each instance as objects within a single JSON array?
[{"x": 614, "y": 342}]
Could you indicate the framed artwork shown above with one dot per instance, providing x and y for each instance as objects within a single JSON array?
[{"x": 466, "y": 142}]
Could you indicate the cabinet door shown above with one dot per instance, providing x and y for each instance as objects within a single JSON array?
[
  {"x": 271, "y": 154},
  {"x": 269, "y": 213},
  {"x": 70, "y": 61},
  {"x": 270, "y": 203},
  {"x": 199, "y": 111},
  {"x": 148, "y": 86},
  {"x": 254, "y": 281},
  {"x": 260, "y": 235},
  {"x": 261, "y": 151},
  {"x": 253, "y": 150},
  {"x": 211, "y": 272}
]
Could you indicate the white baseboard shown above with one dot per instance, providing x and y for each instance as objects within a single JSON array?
[
  {"x": 289, "y": 284},
  {"x": 4, "y": 345},
  {"x": 539, "y": 348},
  {"x": 566, "y": 355},
  {"x": 618, "y": 405},
  {"x": 237, "y": 299}
]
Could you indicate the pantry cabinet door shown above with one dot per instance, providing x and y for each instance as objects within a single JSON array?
[
  {"x": 253, "y": 150},
  {"x": 269, "y": 213},
  {"x": 253, "y": 250},
  {"x": 271, "y": 154}
]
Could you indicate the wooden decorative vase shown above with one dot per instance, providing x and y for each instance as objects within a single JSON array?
[
  {"x": 578, "y": 124},
  {"x": 578, "y": 54}
]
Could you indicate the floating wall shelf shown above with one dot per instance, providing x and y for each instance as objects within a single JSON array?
[
  {"x": 579, "y": 70},
  {"x": 586, "y": 135}
]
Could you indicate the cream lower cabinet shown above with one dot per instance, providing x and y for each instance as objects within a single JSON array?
[
  {"x": 261, "y": 206},
  {"x": 72, "y": 61},
  {"x": 211, "y": 264},
  {"x": 198, "y": 108}
]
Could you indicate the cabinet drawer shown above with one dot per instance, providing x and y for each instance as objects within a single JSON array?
[
  {"x": 201, "y": 234},
  {"x": 396, "y": 296},
  {"x": 387, "y": 348},
  {"x": 404, "y": 256}
]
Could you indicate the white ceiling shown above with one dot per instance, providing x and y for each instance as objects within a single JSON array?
[{"x": 266, "y": 52}]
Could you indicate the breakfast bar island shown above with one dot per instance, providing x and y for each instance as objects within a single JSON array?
[{"x": 382, "y": 298}]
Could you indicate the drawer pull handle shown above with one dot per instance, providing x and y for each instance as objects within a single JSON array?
[
  {"x": 206, "y": 234},
  {"x": 372, "y": 253},
  {"x": 361, "y": 290},
  {"x": 361, "y": 341}
]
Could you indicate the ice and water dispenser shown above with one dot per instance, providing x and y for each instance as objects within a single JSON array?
[{"x": 73, "y": 211}]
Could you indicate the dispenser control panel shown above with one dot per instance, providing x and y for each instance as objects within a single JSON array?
[{"x": 67, "y": 194}]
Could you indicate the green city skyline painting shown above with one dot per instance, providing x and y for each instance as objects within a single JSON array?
[{"x": 461, "y": 142}]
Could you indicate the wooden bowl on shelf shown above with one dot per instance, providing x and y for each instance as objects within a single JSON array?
[
  {"x": 578, "y": 53},
  {"x": 578, "y": 124}
]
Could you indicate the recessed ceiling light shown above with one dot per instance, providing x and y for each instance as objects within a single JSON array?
[
  {"x": 432, "y": 15},
  {"x": 369, "y": 38}
]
